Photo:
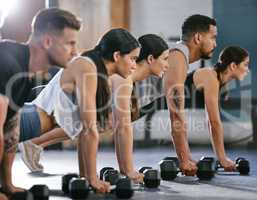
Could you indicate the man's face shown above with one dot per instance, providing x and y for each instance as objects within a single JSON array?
[
  {"x": 208, "y": 42},
  {"x": 63, "y": 47}
]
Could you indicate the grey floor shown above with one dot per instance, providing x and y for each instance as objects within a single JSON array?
[{"x": 223, "y": 186}]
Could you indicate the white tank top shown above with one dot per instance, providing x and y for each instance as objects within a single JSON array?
[
  {"x": 62, "y": 105},
  {"x": 182, "y": 48}
]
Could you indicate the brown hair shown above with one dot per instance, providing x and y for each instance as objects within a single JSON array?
[{"x": 54, "y": 20}]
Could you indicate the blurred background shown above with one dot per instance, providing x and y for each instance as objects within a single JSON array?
[{"x": 237, "y": 20}]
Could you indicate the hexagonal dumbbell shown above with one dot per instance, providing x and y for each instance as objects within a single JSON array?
[
  {"x": 78, "y": 188},
  {"x": 151, "y": 177},
  {"x": 169, "y": 168},
  {"x": 242, "y": 166},
  {"x": 206, "y": 168},
  {"x": 66, "y": 180},
  {"x": 26, "y": 195},
  {"x": 40, "y": 192}
]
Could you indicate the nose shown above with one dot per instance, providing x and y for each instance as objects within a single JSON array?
[{"x": 134, "y": 66}]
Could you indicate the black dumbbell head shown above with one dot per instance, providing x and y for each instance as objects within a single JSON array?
[
  {"x": 168, "y": 169},
  {"x": 111, "y": 176},
  {"x": 142, "y": 169},
  {"x": 243, "y": 166},
  {"x": 152, "y": 178},
  {"x": 78, "y": 188},
  {"x": 26, "y": 195},
  {"x": 124, "y": 188},
  {"x": 65, "y": 181},
  {"x": 40, "y": 192},
  {"x": 205, "y": 170},
  {"x": 103, "y": 170},
  {"x": 211, "y": 159},
  {"x": 172, "y": 158}
]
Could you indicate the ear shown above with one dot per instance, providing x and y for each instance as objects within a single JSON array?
[
  {"x": 116, "y": 56},
  {"x": 150, "y": 59},
  {"x": 232, "y": 66},
  {"x": 197, "y": 38},
  {"x": 47, "y": 41}
]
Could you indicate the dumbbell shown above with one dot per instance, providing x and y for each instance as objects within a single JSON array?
[
  {"x": 206, "y": 168},
  {"x": 66, "y": 180},
  {"x": 79, "y": 188},
  {"x": 242, "y": 166},
  {"x": 37, "y": 192},
  {"x": 169, "y": 168},
  {"x": 26, "y": 195},
  {"x": 151, "y": 177},
  {"x": 110, "y": 175}
]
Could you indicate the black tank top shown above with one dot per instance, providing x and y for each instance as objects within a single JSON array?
[{"x": 193, "y": 98}]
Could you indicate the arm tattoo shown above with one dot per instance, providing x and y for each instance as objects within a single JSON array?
[
  {"x": 177, "y": 99},
  {"x": 11, "y": 135}
]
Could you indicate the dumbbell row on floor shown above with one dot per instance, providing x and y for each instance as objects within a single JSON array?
[
  {"x": 79, "y": 188},
  {"x": 207, "y": 167},
  {"x": 151, "y": 176},
  {"x": 36, "y": 192}
]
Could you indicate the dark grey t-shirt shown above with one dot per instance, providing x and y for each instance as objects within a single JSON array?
[{"x": 14, "y": 80}]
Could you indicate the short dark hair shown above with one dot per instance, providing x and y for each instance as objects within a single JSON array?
[
  {"x": 54, "y": 20},
  {"x": 151, "y": 44},
  {"x": 196, "y": 23}
]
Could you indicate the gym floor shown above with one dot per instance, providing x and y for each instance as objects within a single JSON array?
[{"x": 225, "y": 186}]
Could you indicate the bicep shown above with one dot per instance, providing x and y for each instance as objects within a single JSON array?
[
  {"x": 174, "y": 80},
  {"x": 121, "y": 90},
  {"x": 211, "y": 98},
  {"x": 86, "y": 86}
]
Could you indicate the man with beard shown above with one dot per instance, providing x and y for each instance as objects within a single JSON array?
[
  {"x": 52, "y": 43},
  {"x": 198, "y": 41}
]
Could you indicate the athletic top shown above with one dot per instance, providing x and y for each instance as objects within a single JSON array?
[
  {"x": 54, "y": 100},
  {"x": 194, "y": 98},
  {"x": 182, "y": 48},
  {"x": 14, "y": 80}
]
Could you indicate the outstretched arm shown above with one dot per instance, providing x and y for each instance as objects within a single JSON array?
[
  {"x": 85, "y": 76},
  {"x": 123, "y": 133},
  {"x": 174, "y": 89},
  {"x": 211, "y": 98}
]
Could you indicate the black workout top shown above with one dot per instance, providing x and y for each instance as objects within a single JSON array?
[
  {"x": 194, "y": 98},
  {"x": 14, "y": 80}
]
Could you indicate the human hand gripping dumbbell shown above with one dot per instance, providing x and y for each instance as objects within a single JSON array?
[
  {"x": 151, "y": 176},
  {"x": 169, "y": 168},
  {"x": 241, "y": 165},
  {"x": 79, "y": 188}
]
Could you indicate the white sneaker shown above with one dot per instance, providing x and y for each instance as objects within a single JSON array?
[{"x": 30, "y": 154}]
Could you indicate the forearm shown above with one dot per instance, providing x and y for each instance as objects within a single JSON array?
[
  {"x": 124, "y": 141},
  {"x": 89, "y": 146},
  {"x": 6, "y": 169},
  {"x": 218, "y": 140},
  {"x": 179, "y": 137}
]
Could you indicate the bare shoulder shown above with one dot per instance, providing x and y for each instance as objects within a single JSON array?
[
  {"x": 176, "y": 56},
  {"x": 81, "y": 64},
  {"x": 206, "y": 78},
  {"x": 117, "y": 80}
]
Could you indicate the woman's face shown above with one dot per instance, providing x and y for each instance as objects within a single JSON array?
[
  {"x": 160, "y": 64},
  {"x": 242, "y": 69},
  {"x": 126, "y": 64}
]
